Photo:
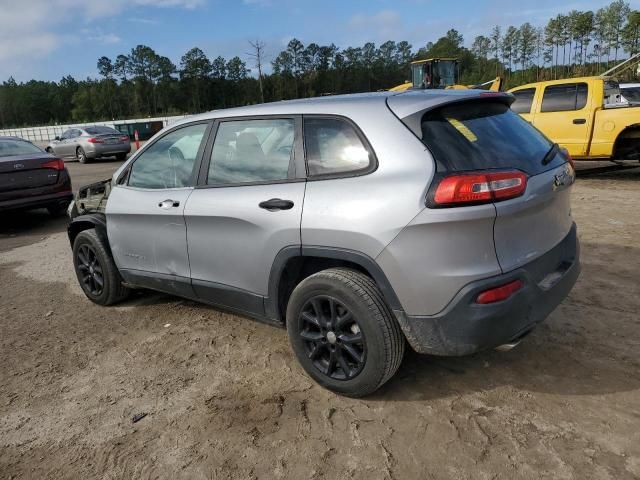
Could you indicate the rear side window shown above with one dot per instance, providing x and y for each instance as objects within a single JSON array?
[
  {"x": 247, "y": 151},
  {"x": 8, "y": 148},
  {"x": 566, "y": 97},
  {"x": 524, "y": 100},
  {"x": 333, "y": 146},
  {"x": 483, "y": 135}
]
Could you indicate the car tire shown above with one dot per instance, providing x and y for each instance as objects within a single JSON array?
[
  {"x": 343, "y": 333},
  {"x": 81, "y": 155},
  {"x": 121, "y": 156},
  {"x": 93, "y": 265}
]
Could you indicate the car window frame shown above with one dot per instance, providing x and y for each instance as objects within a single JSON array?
[
  {"x": 576, "y": 85},
  {"x": 373, "y": 163},
  {"x": 123, "y": 178},
  {"x": 296, "y": 172}
]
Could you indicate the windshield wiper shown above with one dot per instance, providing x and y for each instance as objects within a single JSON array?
[{"x": 550, "y": 154}]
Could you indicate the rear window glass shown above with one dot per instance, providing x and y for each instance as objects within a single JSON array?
[
  {"x": 563, "y": 98},
  {"x": 9, "y": 148},
  {"x": 481, "y": 135},
  {"x": 98, "y": 130},
  {"x": 631, "y": 94}
]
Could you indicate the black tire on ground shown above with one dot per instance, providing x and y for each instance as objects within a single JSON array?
[
  {"x": 354, "y": 344},
  {"x": 57, "y": 209},
  {"x": 81, "y": 156},
  {"x": 97, "y": 273},
  {"x": 121, "y": 156}
]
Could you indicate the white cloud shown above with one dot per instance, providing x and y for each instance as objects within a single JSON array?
[{"x": 32, "y": 29}]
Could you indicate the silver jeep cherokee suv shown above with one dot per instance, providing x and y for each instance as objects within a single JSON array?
[{"x": 361, "y": 222}]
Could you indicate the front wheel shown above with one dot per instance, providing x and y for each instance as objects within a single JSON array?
[
  {"x": 343, "y": 333},
  {"x": 97, "y": 273}
]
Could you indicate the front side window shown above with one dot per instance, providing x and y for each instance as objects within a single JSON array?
[
  {"x": 523, "y": 101},
  {"x": 566, "y": 97},
  {"x": 170, "y": 161},
  {"x": 246, "y": 151},
  {"x": 333, "y": 147}
]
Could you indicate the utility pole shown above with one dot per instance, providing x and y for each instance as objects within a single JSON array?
[{"x": 258, "y": 57}]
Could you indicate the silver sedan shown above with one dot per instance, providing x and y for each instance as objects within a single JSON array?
[{"x": 90, "y": 143}]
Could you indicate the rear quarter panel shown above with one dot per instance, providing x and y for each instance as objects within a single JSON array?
[{"x": 364, "y": 213}]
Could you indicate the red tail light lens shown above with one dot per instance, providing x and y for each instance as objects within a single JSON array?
[
  {"x": 480, "y": 187},
  {"x": 499, "y": 293},
  {"x": 94, "y": 140},
  {"x": 56, "y": 164}
]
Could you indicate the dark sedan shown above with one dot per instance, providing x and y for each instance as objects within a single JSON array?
[{"x": 32, "y": 178}]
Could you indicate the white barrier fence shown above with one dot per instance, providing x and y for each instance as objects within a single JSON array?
[{"x": 45, "y": 134}]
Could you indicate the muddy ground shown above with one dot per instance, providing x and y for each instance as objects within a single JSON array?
[{"x": 226, "y": 399}]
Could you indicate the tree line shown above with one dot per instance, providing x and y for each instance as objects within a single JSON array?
[{"x": 143, "y": 83}]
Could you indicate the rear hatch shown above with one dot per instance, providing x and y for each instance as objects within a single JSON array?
[
  {"x": 482, "y": 135},
  {"x": 19, "y": 172}
]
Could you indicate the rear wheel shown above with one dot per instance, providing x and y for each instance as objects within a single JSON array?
[
  {"x": 81, "y": 155},
  {"x": 343, "y": 333},
  {"x": 97, "y": 273}
]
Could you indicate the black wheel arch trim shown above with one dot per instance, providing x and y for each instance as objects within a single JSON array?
[
  {"x": 367, "y": 263},
  {"x": 98, "y": 221}
]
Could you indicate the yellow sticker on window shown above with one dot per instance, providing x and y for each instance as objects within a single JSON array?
[{"x": 463, "y": 129}]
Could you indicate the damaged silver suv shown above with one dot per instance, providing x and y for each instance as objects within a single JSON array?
[{"x": 440, "y": 219}]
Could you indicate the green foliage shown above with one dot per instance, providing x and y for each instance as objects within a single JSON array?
[{"x": 143, "y": 83}]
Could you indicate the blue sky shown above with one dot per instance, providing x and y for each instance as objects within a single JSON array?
[{"x": 47, "y": 39}]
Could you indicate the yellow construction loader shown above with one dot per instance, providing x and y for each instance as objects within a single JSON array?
[{"x": 441, "y": 73}]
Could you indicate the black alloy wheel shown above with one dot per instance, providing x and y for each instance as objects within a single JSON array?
[
  {"x": 333, "y": 339},
  {"x": 92, "y": 277}
]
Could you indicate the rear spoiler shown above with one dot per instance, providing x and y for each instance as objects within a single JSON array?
[{"x": 411, "y": 106}]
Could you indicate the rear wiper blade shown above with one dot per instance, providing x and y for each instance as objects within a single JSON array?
[{"x": 550, "y": 154}]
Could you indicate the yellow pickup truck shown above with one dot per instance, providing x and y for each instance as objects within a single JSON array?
[{"x": 586, "y": 115}]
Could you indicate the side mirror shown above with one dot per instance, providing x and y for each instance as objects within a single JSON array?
[{"x": 57, "y": 139}]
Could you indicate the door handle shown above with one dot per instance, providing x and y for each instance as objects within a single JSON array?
[
  {"x": 579, "y": 121},
  {"x": 168, "y": 204},
  {"x": 276, "y": 204}
]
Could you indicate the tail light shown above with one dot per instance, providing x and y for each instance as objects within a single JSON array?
[
  {"x": 500, "y": 293},
  {"x": 56, "y": 164},
  {"x": 479, "y": 187},
  {"x": 569, "y": 158},
  {"x": 94, "y": 140},
  {"x": 124, "y": 138}
]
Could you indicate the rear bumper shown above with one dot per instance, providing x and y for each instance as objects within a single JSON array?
[
  {"x": 94, "y": 150},
  {"x": 37, "y": 197},
  {"x": 465, "y": 327}
]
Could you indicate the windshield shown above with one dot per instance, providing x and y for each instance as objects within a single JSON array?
[
  {"x": 485, "y": 135},
  {"x": 9, "y": 148},
  {"x": 444, "y": 74}
]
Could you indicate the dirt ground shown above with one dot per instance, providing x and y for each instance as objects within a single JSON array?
[{"x": 225, "y": 398}]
